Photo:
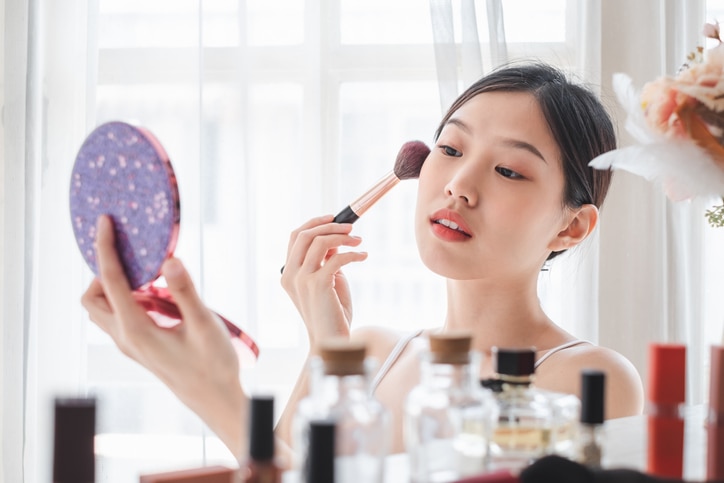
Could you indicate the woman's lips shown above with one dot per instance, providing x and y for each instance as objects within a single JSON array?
[{"x": 450, "y": 226}]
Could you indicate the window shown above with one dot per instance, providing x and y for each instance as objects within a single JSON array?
[{"x": 274, "y": 112}]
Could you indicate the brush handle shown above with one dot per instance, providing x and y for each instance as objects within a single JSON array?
[{"x": 347, "y": 215}]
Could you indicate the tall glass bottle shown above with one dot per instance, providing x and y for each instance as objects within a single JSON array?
[
  {"x": 448, "y": 416},
  {"x": 340, "y": 389},
  {"x": 525, "y": 424}
]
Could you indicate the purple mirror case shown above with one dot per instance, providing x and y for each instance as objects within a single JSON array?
[{"x": 123, "y": 171}]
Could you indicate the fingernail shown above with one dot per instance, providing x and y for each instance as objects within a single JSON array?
[
  {"x": 102, "y": 222},
  {"x": 172, "y": 268}
]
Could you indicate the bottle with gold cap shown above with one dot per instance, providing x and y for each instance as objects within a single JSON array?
[
  {"x": 524, "y": 430},
  {"x": 339, "y": 389},
  {"x": 448, "y": 416}
]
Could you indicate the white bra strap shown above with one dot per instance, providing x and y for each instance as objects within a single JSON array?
[
  {"x": 559, "y": 348},
  {"x": 392, "y": 358}
]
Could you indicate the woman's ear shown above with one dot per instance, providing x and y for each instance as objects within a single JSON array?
[{"x": 580, "y": 225}]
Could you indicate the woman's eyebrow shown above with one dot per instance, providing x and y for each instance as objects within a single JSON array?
[
  {"x": 460, "y": 124},
  {"x": 518, "y": 144}
]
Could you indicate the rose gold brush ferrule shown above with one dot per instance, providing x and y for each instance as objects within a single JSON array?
[{"x": 364, "y": 202}]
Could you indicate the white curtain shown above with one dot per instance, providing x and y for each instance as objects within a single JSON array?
[
  {"x": 45, "y": 87},
  {"x": 652, "y": 270}
]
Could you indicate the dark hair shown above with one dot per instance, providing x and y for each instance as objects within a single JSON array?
[{"x": 578, "y": 121}]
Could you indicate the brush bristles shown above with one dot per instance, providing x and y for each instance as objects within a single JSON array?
[{"x": 410, "y": 158}]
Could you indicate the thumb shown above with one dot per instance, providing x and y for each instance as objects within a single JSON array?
[{"x": 183, "y": 291}]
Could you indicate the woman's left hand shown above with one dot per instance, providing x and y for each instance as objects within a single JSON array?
[{"x": 195, "y": 358}]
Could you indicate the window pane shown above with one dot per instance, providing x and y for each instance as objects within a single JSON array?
[
  {"x": 530, "y": 21},
  {"x": 279, "y": 22},
  {"x": 385, "y": 22},
  {"x": 167, "y": 23},
  {"x": 392, "y": 288}
]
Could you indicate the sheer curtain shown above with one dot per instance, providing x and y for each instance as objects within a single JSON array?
[{"x": 45, "y": 80}]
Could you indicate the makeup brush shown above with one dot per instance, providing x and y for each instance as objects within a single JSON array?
[{"x": 407, "y": 166}]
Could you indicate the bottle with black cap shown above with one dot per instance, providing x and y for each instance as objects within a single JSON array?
[
  {"x": 261, "y": 466},
  {"x": 590, "y": 435},
  {"x": 73, "y": 442},
  {"x": 319, "y": 466},
  {"x": 526, "y": 415}
]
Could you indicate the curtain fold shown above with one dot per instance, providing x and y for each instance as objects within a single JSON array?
[{"x": 44, "y": 96}]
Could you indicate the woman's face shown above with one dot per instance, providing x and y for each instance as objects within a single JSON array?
[{"x": 490, "y": 192}]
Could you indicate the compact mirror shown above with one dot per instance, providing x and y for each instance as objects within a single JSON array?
[{"x": 123, "y": 171}]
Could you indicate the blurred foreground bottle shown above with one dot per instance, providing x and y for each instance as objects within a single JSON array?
[
  {"x": 448, "y": 416},
  {"x": 524, "y": 431},
  {"x": 339, "y": 389},
  {"x": 73, "y": 442}
]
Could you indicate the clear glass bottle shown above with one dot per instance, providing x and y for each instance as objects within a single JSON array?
[
  {"x": 339, "y": 389},
  {"x": 524, "y": 431},
  {"x": 565, "y": 427},
  {"x": 591, "y": 431},
  {"x": 448, "y": 416}
]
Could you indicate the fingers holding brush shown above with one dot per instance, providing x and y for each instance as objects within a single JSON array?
[{"x": 313, "y": 279}]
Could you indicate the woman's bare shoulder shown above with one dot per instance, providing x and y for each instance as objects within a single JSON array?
[{"x": 624, "y": 390}]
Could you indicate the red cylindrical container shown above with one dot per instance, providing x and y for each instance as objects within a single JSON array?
[{"x": 666, "y": 397}]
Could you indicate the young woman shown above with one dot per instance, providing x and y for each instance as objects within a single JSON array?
[{"x": 506, "y": 187}]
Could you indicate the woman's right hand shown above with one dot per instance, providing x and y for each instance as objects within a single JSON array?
[{"x": 313, "y": 277}]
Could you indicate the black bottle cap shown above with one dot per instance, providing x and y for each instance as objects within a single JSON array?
[
  {"x": 320, "y": 452},
  {"x": 592, "y": 396},
  {"x": 73, "y": 448},
  {"x": 514, "y": 362},
  {"x": 261, "y": 428}
]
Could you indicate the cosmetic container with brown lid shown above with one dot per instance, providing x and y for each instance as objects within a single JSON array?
[
  {"x": 450, "y": 347},
  {"x": 448, "y": 416},
  {"x": 339, "y": 389},
  {"x": 342, "y": 357}
]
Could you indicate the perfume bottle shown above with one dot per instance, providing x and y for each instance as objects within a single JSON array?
[
  {"x": 665, "y": 422},
  {"x": 448, "y": 417},
  {"x": 524, "y": 429},
  {"x": 591, "y": 428},
  {"x": 715, "y": 419},
  {"x": 565, "y": 426},
  {"x": 340, "y": 389},
  {"x": 73, "y": 443},
  {"x": 261, "y": 466}
]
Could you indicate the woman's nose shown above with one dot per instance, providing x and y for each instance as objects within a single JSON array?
[{"x": 463, "y": 186}]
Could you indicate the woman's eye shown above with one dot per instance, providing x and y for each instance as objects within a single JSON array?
[
  {"x": 508, "y": 173},
  {"x": 448, "y": 151}
]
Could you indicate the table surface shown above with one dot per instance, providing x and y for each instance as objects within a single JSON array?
[{"x": 624, "y": 447}]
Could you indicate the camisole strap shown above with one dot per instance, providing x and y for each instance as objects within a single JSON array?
[
  {"x": 392, "y": 358},
  {"x": 568, "y": 344}
]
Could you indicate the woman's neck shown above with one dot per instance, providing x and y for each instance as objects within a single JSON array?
[{"x": 496, "y": 314}]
